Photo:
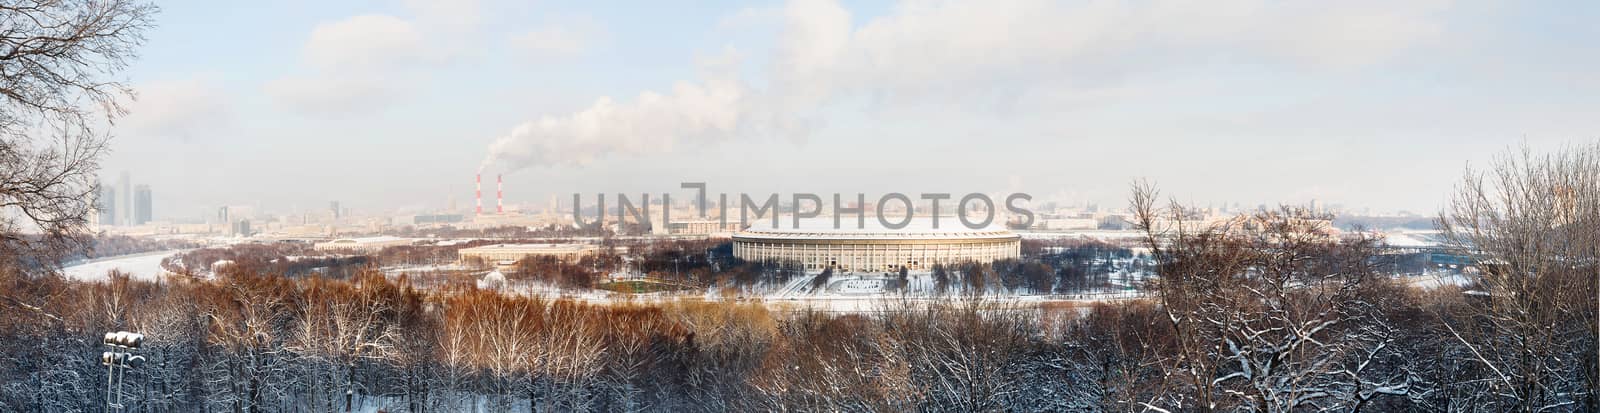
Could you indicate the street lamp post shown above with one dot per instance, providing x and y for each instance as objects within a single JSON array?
[{"x": 117, "y": 362}]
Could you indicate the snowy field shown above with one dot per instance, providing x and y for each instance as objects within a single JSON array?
[
  {"x": 145, "y": 266},
  {"x": 419, "y": 269},
  {"x": 1437, "y": 279}
]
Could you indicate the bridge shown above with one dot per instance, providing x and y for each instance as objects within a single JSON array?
[{"x": 1436, "y": 255}]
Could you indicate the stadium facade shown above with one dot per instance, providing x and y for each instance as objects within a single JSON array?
[{"x": 816, "y": 245}]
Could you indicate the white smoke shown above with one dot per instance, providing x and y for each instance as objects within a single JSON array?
[
  {"x": 964, "y": 52},
  {"x": 651, "y": 123}
]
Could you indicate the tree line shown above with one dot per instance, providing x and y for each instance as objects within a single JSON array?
[{"x": 1267, "y": 312}]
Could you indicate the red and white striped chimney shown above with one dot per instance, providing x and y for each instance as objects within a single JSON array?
[
  {"x": 479, "y": 193},
  {"x": 499, "y": 194}
]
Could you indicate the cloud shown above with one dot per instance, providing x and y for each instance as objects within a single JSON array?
[
  {"x": 555, "y": 41},
  {"x": 366, "y": 42},
  {"x": 446, "y": 13},
  {"x": 1355, "y": 35},
  {"x": 718, "y": 107},
  {"x": 179, "y": 108},
  {"x": 566, "y": 37},
  {"x": 750, "y": 17},
  {"x": 331, "y": 95},
  {"x": 931, "y": 50},
  {"x": 964, "y": 52},
  {"x": 355, "y": 65}
]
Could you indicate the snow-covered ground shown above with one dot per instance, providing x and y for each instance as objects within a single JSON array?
[
  {"x": 417, "y": 269},
  {"x": 145, "y": 266},
  {"x": 1437, "y": 279},
  {"x": 854, "y": 293}
]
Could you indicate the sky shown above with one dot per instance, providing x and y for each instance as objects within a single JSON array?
[{"x": 395, "y": 105}]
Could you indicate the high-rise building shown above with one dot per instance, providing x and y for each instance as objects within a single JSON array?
[
  {"x": 107, "y": 204},
  {"x": 125, "y": 207},
  {"x": 334, "y": 206},
  {"x": 141, "y": 205}
]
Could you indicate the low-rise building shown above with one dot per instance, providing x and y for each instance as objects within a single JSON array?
[
  {"x": 1064, "y": 224},
  {"x": 367, "y": 244},
  {"x": 698, "y": 227},
  {"x": 514, "y": 252}
]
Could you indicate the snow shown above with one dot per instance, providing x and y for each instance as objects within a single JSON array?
[
  {"x": 1438, "y": 279},
  {"x": 860, "y": 286},
  {"x": 871, "y": 293},
  {"x": 425, "y": 268},
  {"x": 380, "y": 238},
  {"x": 1409, "y": 241},
  {"x": 145, "y": 266},
  {"x": 494, "y": 280},
  {"x": 1094, "y": 234}
]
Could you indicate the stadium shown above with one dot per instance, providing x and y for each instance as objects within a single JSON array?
[{"x": 816, "y": 245}]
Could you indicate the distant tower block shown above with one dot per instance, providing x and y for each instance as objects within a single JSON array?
[
  {"x": 479, "y": 193},
  {"x": 499, "y": 194}
]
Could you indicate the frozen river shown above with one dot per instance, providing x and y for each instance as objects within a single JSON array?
[{"x": 146, "y": 266}]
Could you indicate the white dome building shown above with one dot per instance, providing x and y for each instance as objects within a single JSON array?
[
  {"x": 494, "y": 280},
  {"x": 816, "y": 245}
]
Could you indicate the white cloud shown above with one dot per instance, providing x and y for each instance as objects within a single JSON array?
[
  {"x": 718, "y": 107},
  {"x": 1355, "y": 35},
  {"x": 355, "y": 65},
  {"x": 446, "y": 13},
  {"x": 179, "y": 108},
  {"x": 553, "y": 41},
  {"x": 963, "y": 52},
  {"x": 572, "y": 37},
  {"x": 366, "y": 42},
  {"x": 957, "y": 48},
  {"x": 331, "y": 95},
  {"x": 750, "y": 17}
]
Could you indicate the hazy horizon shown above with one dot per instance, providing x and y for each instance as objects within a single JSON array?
[{"x": 385, "y": 105}]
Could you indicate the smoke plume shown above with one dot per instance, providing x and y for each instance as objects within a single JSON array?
[{"x": 651, "y": 123}]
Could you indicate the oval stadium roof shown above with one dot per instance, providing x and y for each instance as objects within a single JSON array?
[{"x": 949, "y": 227}]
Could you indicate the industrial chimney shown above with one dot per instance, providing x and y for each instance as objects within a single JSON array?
[
  {"x": 479, "y": 193},
  {"x": 499, "y": 194}
]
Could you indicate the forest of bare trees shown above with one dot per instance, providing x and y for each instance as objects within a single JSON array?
[{"x": 1267, "y": 312}]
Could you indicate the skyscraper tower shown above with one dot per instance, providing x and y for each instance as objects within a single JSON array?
[
  {"x": 107, "y": 205},
  {"x": 141, "y": 205},
  {"x": 125, "y": 207}
]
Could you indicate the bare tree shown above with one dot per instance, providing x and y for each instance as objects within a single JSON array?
[
  {"x": 246, "y": 370},
  {"x": 1532, "y": 224},
  {"x": 340, "y": 325},
  {"x": 1273, "y": 311},
  {"x": 962, "y": 355},
  {"x": 55, "y": 58}
]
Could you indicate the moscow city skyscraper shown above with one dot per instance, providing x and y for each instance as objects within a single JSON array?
[
  {"x": 141, "y": 205},
  {"x": 125, "y": 207}
]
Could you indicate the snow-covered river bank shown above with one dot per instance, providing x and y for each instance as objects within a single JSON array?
[{"x": 143, "y": 266}]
